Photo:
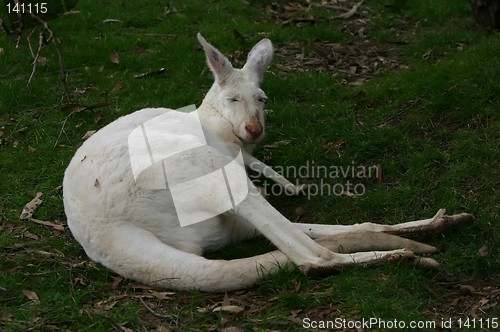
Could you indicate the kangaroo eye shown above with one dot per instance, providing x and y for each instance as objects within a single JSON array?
[
  {"x": 233, "y": 100},
  {"x": 262, "y": 100}
]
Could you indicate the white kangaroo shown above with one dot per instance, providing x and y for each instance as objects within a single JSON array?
[{"x": 133, "y": 228}]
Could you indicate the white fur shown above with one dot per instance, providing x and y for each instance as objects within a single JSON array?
[{"x": 133, "y": 229}]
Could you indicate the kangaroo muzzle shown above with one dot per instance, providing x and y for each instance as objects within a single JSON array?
[{"x": 254, "y": 128}]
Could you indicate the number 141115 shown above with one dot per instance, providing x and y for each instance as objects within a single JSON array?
[
  {"x": 478, "y": 323},
  {"x": 26, "y": 8}
]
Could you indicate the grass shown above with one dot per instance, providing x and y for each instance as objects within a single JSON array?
[{"x": 432, "y": 125}]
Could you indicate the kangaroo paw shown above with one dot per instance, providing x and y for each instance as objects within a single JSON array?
[
  {"x": 442, "y": 223},
  {"x": 446, "y": 223},
  {"x": 365, "y": 241},
  {"x": 426, "y": 262},
  {"x": 439, "y": 224},
  {"x": 339, "y": 261}
]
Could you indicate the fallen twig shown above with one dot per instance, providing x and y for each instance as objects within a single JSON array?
[
  {"x": 19, "y": 29},
  {"x": 35, "y": 57},
  {"x": 402, "y": 111},
  {"x": 151, "y": 73},
  {"x": 62, "y": 128},
  {"x": 76, "y": 108},
  {"x": 351, "y": 12},
  {"x": 157, "y": 314},
  {"x": 44, "y": 38}
]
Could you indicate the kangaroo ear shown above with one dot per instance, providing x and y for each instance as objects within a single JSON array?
[
  {"x": 260, "y": 58},
  {"x": 217, "y": 62}
]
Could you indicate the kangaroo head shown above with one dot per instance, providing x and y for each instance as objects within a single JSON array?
[{"x": 236, "y": 93}]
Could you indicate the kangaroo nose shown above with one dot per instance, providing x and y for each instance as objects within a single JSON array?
[{"x": 254, "y": 128}]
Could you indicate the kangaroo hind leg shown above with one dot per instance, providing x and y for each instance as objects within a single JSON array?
[{"x": 438, "y": 224}]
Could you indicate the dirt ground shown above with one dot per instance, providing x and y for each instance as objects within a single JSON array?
[{"x": 354, "y": 61}]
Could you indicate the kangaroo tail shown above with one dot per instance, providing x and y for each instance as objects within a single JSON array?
[{"x": 138, "y": 254}]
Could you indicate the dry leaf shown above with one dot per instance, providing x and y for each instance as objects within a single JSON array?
[
  {"x": 162, "y": 328},
  {"x": 111, "y": 20},
  {"x": 226, "y": 301},
  {"x": 71, "y": 12},
  {"x": 483, "y": 251},
  {"x": 118, "y": 86},
  {"x": 6, "y": 317},
  {"x": 49, "y": 224},
  {"x": 348, "y": 194},
  {"x": 296, "y": 285},
  {"x": 30, "y": 235},
  {"x": 208, "y": 308},
  {"x": 335, "y": 145},
  {"x": 294, "y": 316},
  {"x": 47, "y": 253},
  {"x": 427, "y": 54},
  {"x": 151, "y": 73},
  {"x": 277, "y": 144},
  {"x": 98, "y": 105},
  {"x": 114, "y": 58},
  {"x": 97, "y": 184},
  {"x": 80, "y": 281},
  {"x": 16, "y": 246},
  {"x": 73, "y": 108},
  {"x": 81, "y": 91},
  {"x": 30, "y": 208},
  {"x": 116, "y": 282},
  {"x": 140, "y": 286},
  {"x": 232, "y": 309},
  {"x": 467, "y": 289},
  {"x": 88, "y": 134},
  {"x": 231, "y": 329},
  {"x": 483, "y": 301},
  {"x": 31, "y": 295},
  {"x": 97, "y": 117},
  {"x": 109, "y": 305},
  {"x": 42, "y": 60},
  {"x": 124, "y": 328},
  {"x": 162, "y": 295},
  {"x": 106, "y": 304}
]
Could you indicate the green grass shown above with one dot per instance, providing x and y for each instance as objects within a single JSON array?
[{"x": 442, "y": 151}]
